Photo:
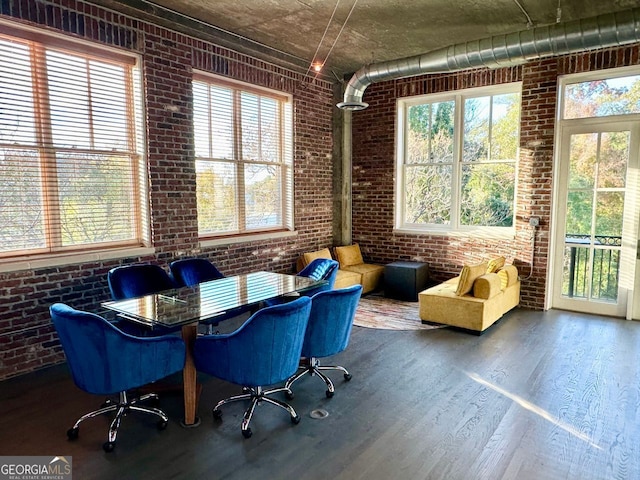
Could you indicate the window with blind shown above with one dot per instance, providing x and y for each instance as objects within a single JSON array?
[
  {"x": 69, "y": 155},
  {"x": 244, "y": 161}
]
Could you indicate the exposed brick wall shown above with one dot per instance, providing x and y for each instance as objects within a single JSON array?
[
  {"x": 27, "y": 339},
  {"x": 373, "y": 169}
]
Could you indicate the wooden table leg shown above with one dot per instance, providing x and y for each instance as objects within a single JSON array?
[{"x": 189, "y": 333}]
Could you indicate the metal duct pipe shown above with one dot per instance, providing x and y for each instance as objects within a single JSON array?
[{"x": 603, "y": 31}]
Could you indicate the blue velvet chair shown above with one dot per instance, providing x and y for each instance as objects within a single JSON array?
[
  {"x": 263, "y": 352},
  {"x": 318, "y": 269},
  {"x": 106, "y": 361},
  {"x": 192, "y": 271},
  {"x": 131, "y": 281},
  {"x": 138, "y": 280},
  {"x": 328, "y": 332}
]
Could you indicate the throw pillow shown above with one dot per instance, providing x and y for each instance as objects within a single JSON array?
[
  {"x": 468, "y": 275},
  {"x": 495, "y": 264}
]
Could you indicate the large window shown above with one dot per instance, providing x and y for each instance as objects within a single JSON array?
[
  {"x": 243, "y": 158},
  {"x": 69, "y": 153},
  {"x": 457, "y": 160}
]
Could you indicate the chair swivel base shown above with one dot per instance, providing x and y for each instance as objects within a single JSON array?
[
  {"x": 122, "y": 407},
  {"x": 256, "y": 395},
  {"x": 314, "y": 368}
]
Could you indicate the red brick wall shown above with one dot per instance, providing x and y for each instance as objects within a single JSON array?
[
  {"x": 373, "y": 169},
  {"x": 27, "y": 339}
]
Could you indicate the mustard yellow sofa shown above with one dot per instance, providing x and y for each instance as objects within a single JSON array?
[
  {"x": 475, "y": 299},
  {"x": 352, "y": 271}
]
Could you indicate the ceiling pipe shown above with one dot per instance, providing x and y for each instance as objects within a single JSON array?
[{"x": 603, "y": 31}]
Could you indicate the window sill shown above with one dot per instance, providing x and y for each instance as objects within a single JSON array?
[
  {"x": 477, "y": 233},
  {"x": 256, "y": 237},
  {"x": 56, "y": 260}
]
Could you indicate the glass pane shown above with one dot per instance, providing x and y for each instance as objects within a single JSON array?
[
  {"x": 21, "y": 203},
  {"x": 599, "y": 98},
  {"x": 582, "y": 160},
  {"x": 606, "y": 267},
  {"x": 69, "y": 102},
  {"x": 270, "y": 129},
  {"x": 609, "y": 212},
  {"x": 95, "y": 195},
  {"x": 476, "y": 129},
  {"x": 201, "y": 116},
  {"x": 109, "y": 106},
  {"x": 487, "y": 195},
  {"x": 430, "y": 133},
  {"x": 614, "y": 152},
  {"x": 504, "y": 127},
  {"x": 250, "y": 126},
  {"x": 418, "y": 133},
  {"x": 216, "y": 194},
  {"x": 428, "y": 195},
  {"x": 222, "y": 113},
  {"x": 575, "y": 272},
  {"x": 263, "y": 197},
  {"x": 579, "y": 214},
  {"x": 17, "y": 121}
]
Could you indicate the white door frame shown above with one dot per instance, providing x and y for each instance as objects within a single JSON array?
[{"x": 630, "y": 227}]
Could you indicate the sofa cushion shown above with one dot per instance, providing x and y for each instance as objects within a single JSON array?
[
  {"x": 346, "y": 279},
  {"x": 468, "y": 275},
  {"x": 495, "y": 264},
  {"x": 370, "y": 275},
  {"x": 349, "y": 255}
]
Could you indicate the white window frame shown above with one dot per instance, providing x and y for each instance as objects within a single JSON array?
[
  {"x": 459, "y": 96},
  {"x": 285, "y": 163}
]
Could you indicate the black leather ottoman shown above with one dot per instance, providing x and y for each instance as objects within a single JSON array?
[{"x": 404, "y": 280}]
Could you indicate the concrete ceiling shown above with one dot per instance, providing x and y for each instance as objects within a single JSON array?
[{"x": 290, "y": 31}]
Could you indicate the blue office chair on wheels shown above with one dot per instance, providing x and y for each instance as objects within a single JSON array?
[
  {"x": 262, "y": 352},
  {"x": 192, "y": 271},
  {"x": 105, "y": 361},
  {"x": 328, "y": 332},
  {"x": 131, "y": 281},
  {"x": 138, "y": 280},
  {"x": 318, "y": 269}
]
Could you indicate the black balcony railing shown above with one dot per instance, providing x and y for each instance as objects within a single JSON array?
[{"x": 604, "y": 272}]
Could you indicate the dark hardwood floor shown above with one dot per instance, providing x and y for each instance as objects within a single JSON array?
[{"x": 551, "y": 395}]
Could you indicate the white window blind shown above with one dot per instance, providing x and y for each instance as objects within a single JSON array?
[
  {"x": 243, "y": 158},
  {"x": 69, "y": 155}
]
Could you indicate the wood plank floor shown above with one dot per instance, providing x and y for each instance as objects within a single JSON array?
[{"x": 552, "y": 395}]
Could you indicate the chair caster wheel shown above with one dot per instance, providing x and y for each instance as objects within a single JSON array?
[
  {"x": 247, "y": 433},
  {"x": 289, "y": 395},
  {"x": 217, "y": 414},
  {"x": 72, "y": 433},
  {"x": 162, "y": 424},
  {"x": 108, "y": 446},
  {"x": 348, "y": 376},
  {"x": 329, "y": 393},
  {"x": 295, "y": 420}
]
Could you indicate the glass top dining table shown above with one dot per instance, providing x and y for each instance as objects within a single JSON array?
[{"x": 185, "y": 305}]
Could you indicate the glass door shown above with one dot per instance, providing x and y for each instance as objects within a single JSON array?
[{"x": 596, "y": 216}]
